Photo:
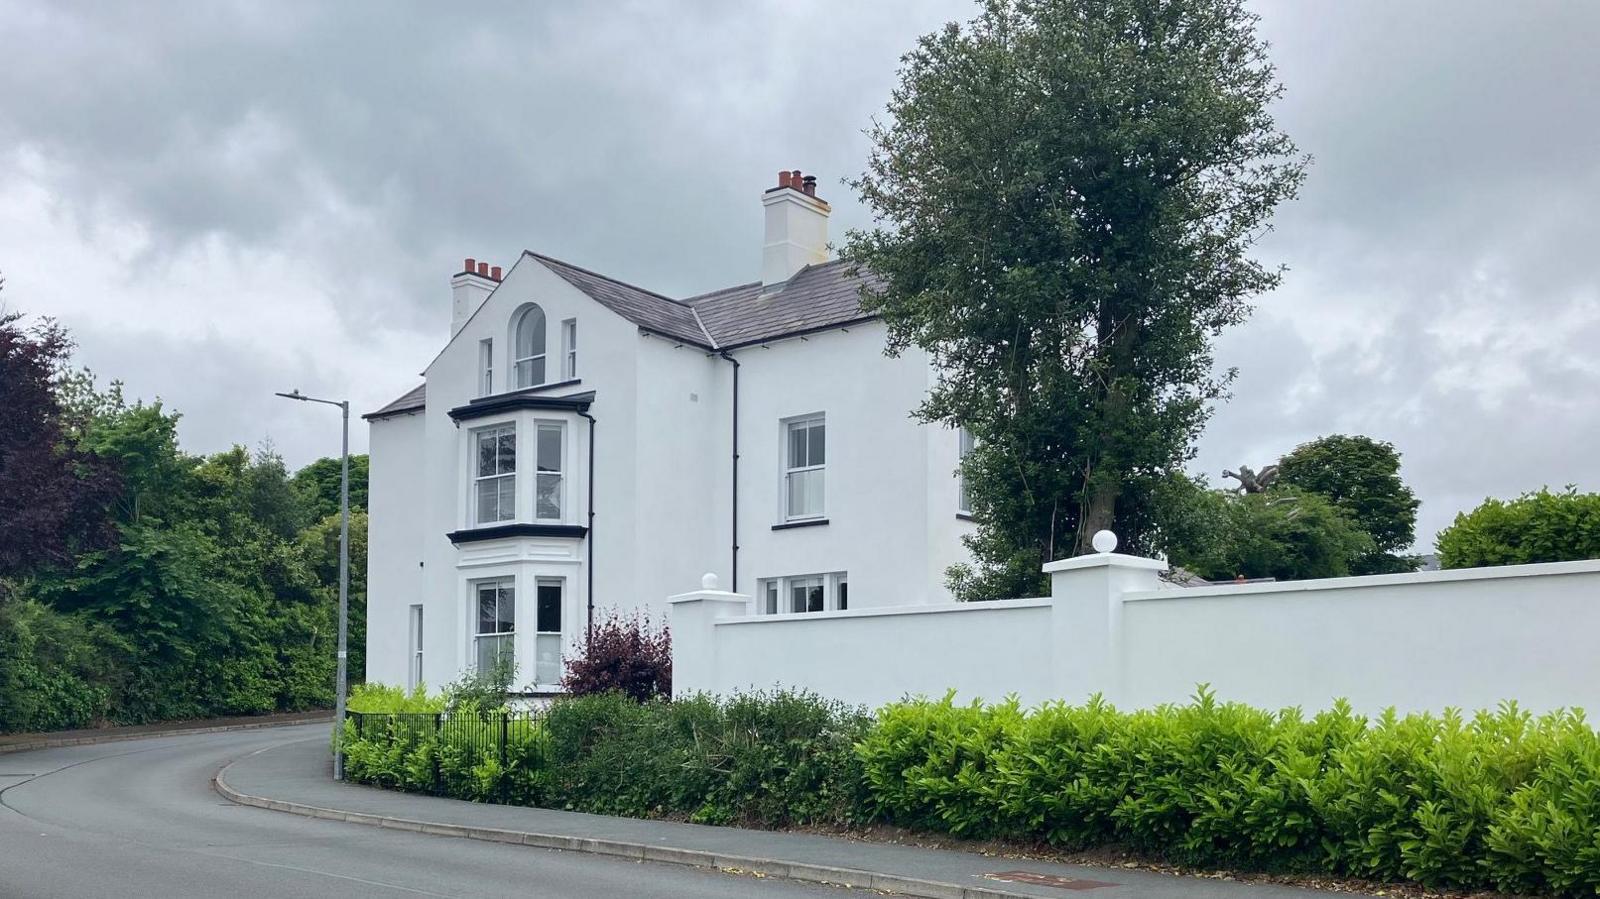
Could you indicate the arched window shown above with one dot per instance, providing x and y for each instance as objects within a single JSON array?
[{"x": 527, "y": 347}]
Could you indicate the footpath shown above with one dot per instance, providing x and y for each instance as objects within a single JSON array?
[
  {"x": 59, "y": 738},
  {"x": 296, "y": 777}
]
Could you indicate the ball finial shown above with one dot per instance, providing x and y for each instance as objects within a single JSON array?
[
  {"x": 708, "y": 581},
  {"x": 1104, "y": 541}
]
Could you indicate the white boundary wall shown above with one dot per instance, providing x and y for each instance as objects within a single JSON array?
[{"x": 1425, "y": 641}]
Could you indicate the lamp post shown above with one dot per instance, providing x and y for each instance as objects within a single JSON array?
[{"x": 341, "y": 682}]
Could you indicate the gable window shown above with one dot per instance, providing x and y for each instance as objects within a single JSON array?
[
  {"x": 495, "y": 476},
  {"x": 496, "y": 624},
  {"x": 485, "y": 367},
  {"x": 569, "y": 349},
  {"x": 527, "y": 347},
  {"x": 547, "y": 628},
  {"x": 807, "y": 593},
  {"x": 963, "y": 498},
  {"x": 548, "y": 458},
  {"x": 805, "y": 455}
]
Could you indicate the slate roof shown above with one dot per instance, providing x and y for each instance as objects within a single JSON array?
[
  {"x": 818, "y": 297},
  {"x": 647, "y": 309},
  {"x": 412, "y": 401}
]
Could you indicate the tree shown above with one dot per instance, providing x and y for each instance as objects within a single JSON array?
[
  {"x": 1534, "y": 527},
  {"x": 53, "y": 495},
  {"x": 1361, "y": 477},
  {"x": 1065, "y": 200},
  {"x": 318, "y": 486},
  {"x": 1283, "y": 534}
]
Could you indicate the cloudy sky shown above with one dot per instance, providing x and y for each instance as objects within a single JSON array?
[{"x": 222, "y": 200}]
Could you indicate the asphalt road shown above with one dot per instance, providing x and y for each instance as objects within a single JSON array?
[{"x": 139, "y": 818}]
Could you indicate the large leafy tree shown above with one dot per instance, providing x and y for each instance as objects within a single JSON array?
[
  {"x": 1361, "y": 477},
  {"x": 1066, "y": 193},
  {"x": 318, "y": 486}
]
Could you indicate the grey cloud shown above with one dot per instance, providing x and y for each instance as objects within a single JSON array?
[{"x": 1440, "y": 291}]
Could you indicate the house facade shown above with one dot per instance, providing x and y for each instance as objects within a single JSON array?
[{"x": 583, "y": 446}]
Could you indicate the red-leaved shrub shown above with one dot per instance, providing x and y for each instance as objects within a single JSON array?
[{"x": 626, "y": 654}]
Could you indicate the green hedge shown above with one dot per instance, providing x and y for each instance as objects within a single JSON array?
[{"x": 1503, "y": 799}]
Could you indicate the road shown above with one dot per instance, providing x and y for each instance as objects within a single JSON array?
[{"x": 140, "y": 818}]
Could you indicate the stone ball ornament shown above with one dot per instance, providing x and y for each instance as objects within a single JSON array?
[{"x": 1104, "y": 541}]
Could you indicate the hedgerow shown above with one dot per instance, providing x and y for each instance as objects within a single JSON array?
[{"x": 1501, "y": 799}]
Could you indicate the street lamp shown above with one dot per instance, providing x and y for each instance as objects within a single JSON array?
[{"x": 341, "y": 683}]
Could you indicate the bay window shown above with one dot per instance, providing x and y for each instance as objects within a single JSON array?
[
  {"x": 547, "y": 631},
  {"x": 495, "y": 474},
  {"x": 548, "y": 471},
  {"x": 494, "y": 636}
]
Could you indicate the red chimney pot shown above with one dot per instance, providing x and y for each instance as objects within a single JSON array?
[
  {"x": 794, "y": 179},
  {"x": 783, "y": 179},
  {"x": 471, "y": 266},
  {"x": 483, "y": 269},
  {"x": 494, "y": 273}
]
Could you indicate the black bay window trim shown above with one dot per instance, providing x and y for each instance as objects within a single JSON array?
[
  {"x": 502, "y": 531},
  {"x": 487, "y": 406}
]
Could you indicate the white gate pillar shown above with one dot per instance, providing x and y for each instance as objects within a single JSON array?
[
  {"x": 1086, "y": 617},
  {"x": 691, "y": 617}
]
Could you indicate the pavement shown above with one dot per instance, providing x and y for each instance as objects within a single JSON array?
[{"x": 295, "y": 775}]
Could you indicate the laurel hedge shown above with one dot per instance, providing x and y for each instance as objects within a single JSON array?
[{"x": 1500, "y": 799}]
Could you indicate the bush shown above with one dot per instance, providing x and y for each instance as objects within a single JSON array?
[
  {"x": 1502, "y": 800},
  {"x": 56, "y": 669},
  {"x": 763, "y": 759},
  {"x": 1534, "y": 527},
  {"x": 626, "y": 654}
]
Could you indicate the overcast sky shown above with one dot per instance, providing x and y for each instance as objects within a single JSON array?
[{"x": 227, "y": 199}]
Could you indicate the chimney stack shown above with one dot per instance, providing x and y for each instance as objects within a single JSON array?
[
  {"x": 796, "y": 227},
  {"x": 468, "y": 290}
]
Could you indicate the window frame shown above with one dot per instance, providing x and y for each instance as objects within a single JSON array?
[
  {"x": 486, "y": 366},
  {"x": 790, "y": 470},
  {"x": 541, "y": 349},
  {"x": 543, "y": 636},
  {"x": 559, "y": 473},
  {"x": 965, "y": 444},
  {"x": 569, "y": 349},
  {"x": 414, "y": 660},
  {"x": 501, "y": 586},
  {"x": 777, "y": 593},
  {"x": 476, "y": 495}
]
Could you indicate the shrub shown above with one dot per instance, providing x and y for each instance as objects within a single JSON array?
[
  {"x": 626, "y": 654},
  {"x": 765, "y": 759},
  {"x": 1534, "y": 527}
]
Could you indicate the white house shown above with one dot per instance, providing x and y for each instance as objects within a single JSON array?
[{"x": 581, "y": 445}]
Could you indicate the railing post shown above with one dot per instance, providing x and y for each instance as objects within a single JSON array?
[
  {"x": 438, "y": 747},
  {"x": 505, "y": 729}
]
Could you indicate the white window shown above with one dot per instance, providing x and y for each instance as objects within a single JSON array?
[
  {"x": 547, "y": 636},
  {"x": 801, "y": 594},
  {"x": 485, "y": 367},
  {"x": 548, "y": 482},
  {"x": 495, "y": 475},
  {"x": 414, "y": 672},
  {"x": 569, "y": 349},
  {"x": 496, "y": 625},
  {"x": 805, "y": 455},
  {"x": 963, "y": 499},
  {"x": 527, "y": 347}
]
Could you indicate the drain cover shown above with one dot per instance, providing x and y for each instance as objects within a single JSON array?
[{"x": 1048, "y": 880}]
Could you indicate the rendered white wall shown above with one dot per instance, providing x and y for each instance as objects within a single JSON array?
[
  {"x": 394, "y": 543},
  {"x": 1425, "y": 641}
]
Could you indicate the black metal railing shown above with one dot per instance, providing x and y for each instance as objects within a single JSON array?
[{"x": 452, "y": 745}]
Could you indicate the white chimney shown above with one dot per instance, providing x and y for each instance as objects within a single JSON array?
[
  {"x": 797, "y": 228},
  {"x": 469, "y": 289}
]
